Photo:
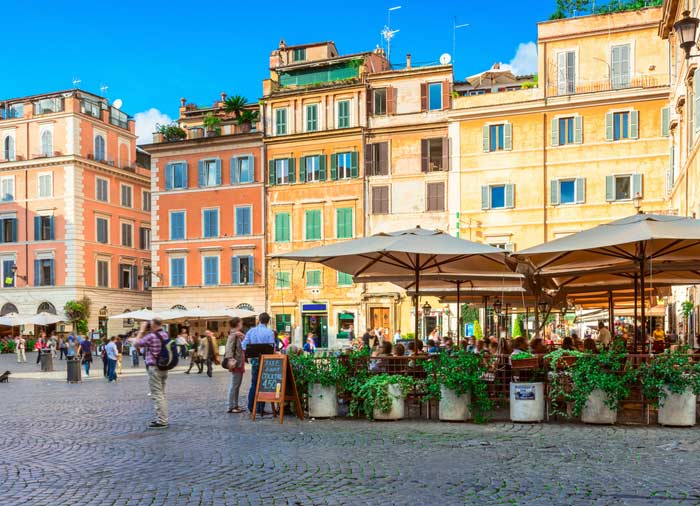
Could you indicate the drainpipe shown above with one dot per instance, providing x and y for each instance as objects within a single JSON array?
[
  {"x": 365, "y": 207},
  {"x": 26, "y": 212},
  {"x": 544, "y": 149}
]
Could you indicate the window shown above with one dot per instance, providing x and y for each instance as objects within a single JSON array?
[
  {"x": 176, "y": 176},
  {"x": 101, "y": 189},
  {"x": 44, "y": 272},
  {"x": 665, "y": 121},
  {"x": 344, "y": 279},
  {"x": 313, "y": 224},
  {"x": 47, "y": 143},
  {"x": 620, "y": 66},
  {"x": 380, "y": 200},
  {"x": 118, "y": 118},
  {"x": 377, "y": 159},
  {"x": 210, "y": 172},
  {"x": 147, "y": 277},
  {"x": 127, "y": 276},
  {"x": 242, "y": 270},
  {"x": 622, "y": 125},
  {"x": 8, "y": 148},
  {"x": 567, "y": 131},
  {"x": 313, "y": 279},
  {"x": 344, "y": 165},
  {"x": 299, "y": 54},
  {"x": 127, "y": 235},
  {"x": 177, "y": 225},
  {"x": 567, "y": 191},
  {"x": 126, "y": 195},
  {"x": 281, "y": 121},
  {"x": 499, "y": 196},
  {"x": 103, "y": 273},
  {"x": 90, "y": 108},
  {"x": 242, "y": 169},
  {"x": 211, "y": 271},
  {"x": 7, "y": 187},
  {"x": 434, "y": 155},
  {"x": 102, "y": 230},
  {"x": 8, "y": 229},
  {"x": 100, "y": 148},
  {"x": 566, "y": 72},
  {"x": 8, "y": 277},
  {"x": 146, "y": 200},
  {"x": 623, "y": 187},
  {"x": 343, "y": 220},
  {"x": 343, "y": 114},
  {"x": 283, "y": 279},
  {"x": 312, "y": 117},
  {"x": 283, "y": 322},
  {"x": 12, "y": 111},
  {"x": 45, "y": 185},
  {"x": 434, "y": 96},
  {"x": 244, "y": 223},
  {"x": 379, "y": 102},
  {"x": 210, "y": 223},
  {"x": 177, "y": 272},
  {"x": 43, "y": 228},
  {"x": 435, "y": 200},
  {"x": 144, "y": 238},
  {"x": 314, "y": 168},
  {"x": 48, "y": 105},
  {"x": 495, "y": 137},
  {"x": 282, "y": 171},
  {"x": 282, "y": 227}
]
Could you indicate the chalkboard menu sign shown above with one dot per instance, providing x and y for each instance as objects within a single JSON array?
[{"x": 276, "y": 384}]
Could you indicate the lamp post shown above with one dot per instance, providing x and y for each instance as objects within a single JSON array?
[
  {"x": 497, "y": 306},
  {"x": 637, "y": 201},
  {"x": 426, "y": 307},
  {"x": 686, "y": 30}
]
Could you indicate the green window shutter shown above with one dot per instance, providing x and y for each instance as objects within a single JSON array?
[
  {"x": 636, "y": 185},
  {"x": 578, "y": 129},
  {"x": 609, "y": 188},
  {"x": 485, "y": 204},
  {"x": 302, "y": 169},
  {"x": 278, "y": 221},
  {"x": 510, "y": 196},
  {"x": 309, "y": 225},
  {"x": 507, "y": 136},
  {"x": 554, "y": 192},
  {"x": 634, "y": 124},
  {"x": 580, "y": 190},
  {"x": 665, "y": 121},
  {"x": 322, "y": 167},
  {"x": 354, "y": 157},
  {"x": 555, "y": 132},
  {"x": 344, "y": 223},
  {"x": 609, "y": 126},
  {"x": 334, "y": 166},
  {"x": 292, "y": 168},
  {"x": 485, "y": 138},
  {"x": 271, "y": 172}
]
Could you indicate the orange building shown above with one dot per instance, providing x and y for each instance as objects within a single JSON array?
[
  {"x": 75, "y": 207},
  {"x": 208, "y": 225}
]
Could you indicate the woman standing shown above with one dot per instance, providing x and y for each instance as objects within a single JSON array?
[
  {"x": 85, "y": 353},
  {"x": 235, "y": 362}
]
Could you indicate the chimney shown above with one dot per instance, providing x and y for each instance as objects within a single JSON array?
[
  {"x": 223, "y": 96},
  {"x": 182, "y": 102},
  {"x": 408, "y": 60}
]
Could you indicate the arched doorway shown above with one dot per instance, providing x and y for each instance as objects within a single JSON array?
[{"x": 46, "y": 307}]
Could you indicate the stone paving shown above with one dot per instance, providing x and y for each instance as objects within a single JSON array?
[{"x": 86, "y": 444}]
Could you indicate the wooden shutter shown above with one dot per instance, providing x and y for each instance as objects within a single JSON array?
[
  {"x": 609, "y": 188},
  {"x": 354, "y": 170},
  {"x": 446, "y": 94},
  {"x": 233, "y": 172},
  {"x": 217, "y": 164},
  {"x": 51, "y": 228},
  {"x": 302, "y": 169},
  {"x": 561, "y": 73},
  {"x": 485, "y": 138},
  {"x": 251, "y": 270},
  {"x": 445, "y": 153},
  {"x": 383, "y": 159},
  {"x": 423, "y": 96},
  {"x": 37, "y": 228},
  {"x": 634, "y": 124},
  {"x": 292, "y": 170},
  {"x": 578, "y": 129},
  {"x": 37, "y": 273},
  {"x": 334, "y": 166},
  {"x": 554, "y": 192},
  {"x": 636, "y": 185},
  {"x": 424, "y": 155},
  {"x": 666, "y": 121},
  {"x": 187, "y": 174},
  {"x": 235, "y": 273},
  {"x": 580, "y": 190},
  {"x": 609, "y": 126},
  {"x": 555, "y": 132},
  {"x": 509, "y": 196},
  {"x": 15, "y": 226},
  {"x": 271, "y": 172},
  {"x": 507, "y": 136},
  {"x": 369, "y": 152},
  {"x": 322, "y": 167},
  {"x": 201, "y": 179},
  {"x": 370, "y": 96},
  {"x": 485, "y": 197},
  {"x": 169, "y": 176},
  {"x": 391, "y": 100}
]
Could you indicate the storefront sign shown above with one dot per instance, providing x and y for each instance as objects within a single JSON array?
[
  {"x": 524, "y": 392},
  {"x": 314, "y": 308}
]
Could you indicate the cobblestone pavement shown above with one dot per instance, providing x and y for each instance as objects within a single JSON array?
[{"x": 86, "y": 444}]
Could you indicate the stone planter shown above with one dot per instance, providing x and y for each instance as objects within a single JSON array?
[
  {"x": 323, "y": 401},
  {"x": 677, "y": 410},
  {"x": 526, "y": 402},
  {"x": 453, "y": 407},
  {"x": 596, "y": 411},
  {"x": 397, "y": 405}
]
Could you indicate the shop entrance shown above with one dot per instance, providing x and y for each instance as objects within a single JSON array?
[
  {"x": 318, "y": 325},
  {"x": 379, "y": 317}
]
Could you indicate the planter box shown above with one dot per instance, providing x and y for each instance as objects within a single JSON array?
[
  {"x": 525, "y": 363},
  {"x": 526, "y": 402},
  {"x": 596, "y": 411},
  {"x": 453, "y": 407},
  {"x": 397, "y": 410},
  {"x": 678, "y": 410},
  {"x": 323, "y": 401}
]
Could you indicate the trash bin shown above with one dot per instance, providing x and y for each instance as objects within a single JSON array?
[
  {"x": 73, "y": 368},
  {"x": 46, "y": 360}
]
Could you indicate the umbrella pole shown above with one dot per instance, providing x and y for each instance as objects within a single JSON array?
[
  {"x": 416, "y": 319},
  {"x": 611, "y": 316},
  {"x": 636, "y": 300},
  {"x": 459, "y": 315},
  {"x": 527, "y": 322},
  {"x": 641, "y": 283},
  {"x": 487, "y": 320}
]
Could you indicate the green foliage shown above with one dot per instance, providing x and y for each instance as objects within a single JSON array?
[
  {"x": 410, "y": 335},
  {"x": 462, "y": 373},
  {"x": 234, "y": 105},
  {"x": 78, "y": 312},
  {"x": 672, "y": 371},
  {"x": 171, "y": 132},
  {"x": 687, "y": 308},
  {"x": 523, "y": 355},
  {"x": 7, "y": 347},
  {"x": 211, "y": 121},
  {"x": 568, "y": 8},
  {"x": 325, "y": 371},
  {"x": 478, "y": 333},
  {"x": 469, "y": 313},
  {"x": 518, "y": 329},
  {"x": 372, "y": 391},
  {"x": 248, "y": 116}
]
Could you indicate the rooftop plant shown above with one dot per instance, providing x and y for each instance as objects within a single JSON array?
[{"x": 171, "y": 132}]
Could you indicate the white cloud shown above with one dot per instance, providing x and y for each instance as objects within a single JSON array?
[
  {"x": 146, "y": 124},
  {"x": 525, "y": 60}
]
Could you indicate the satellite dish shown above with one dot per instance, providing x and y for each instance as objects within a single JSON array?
[
  {"x": 117, "y": 104},
  {"x": 445, "y": 58}
]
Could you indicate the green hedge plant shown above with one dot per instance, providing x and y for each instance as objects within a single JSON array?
[
  {"x": 672, "y": 371},
  {"x": 372, "y": 391}
]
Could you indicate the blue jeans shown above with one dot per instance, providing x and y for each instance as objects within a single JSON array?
[
  {"x": 86, "y": 366},
  {"x": 135, "y": 357},
  {"x": 254, "y": 369},
  {"x": 111, "y": 369}
]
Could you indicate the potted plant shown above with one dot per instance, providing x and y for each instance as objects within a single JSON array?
[
  {"x": 380, "y": 396},
  {"x": 234, "y": 105},
  {"x": 247, "y": 118},
  {"x": 170, "y": 133},
  {"x": 456, "y": 380},
  {"x": 524, "y": 361},
  {"x": 671, "y": 381},
  {"x": 211, "y": 124},
  {"x": 319, "y": 377},
  {"x": 526, "y": 397}
]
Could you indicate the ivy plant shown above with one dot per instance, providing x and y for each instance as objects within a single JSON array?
[
  {"x": 370, "y": 392},
  {"x": 325, "y": 371},
  {"x": 672, "y": 371}
]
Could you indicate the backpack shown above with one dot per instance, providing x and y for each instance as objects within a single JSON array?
[{"x": 168, "y": 356}]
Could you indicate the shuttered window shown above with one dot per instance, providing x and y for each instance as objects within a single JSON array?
[
  {"x": 343, "y": 217},
  {"x": 379, "y": 102},
  {"x": 210, "y": 223},
  {"x": 44, "y": 272},
  {"x": 500, "y": 196},
  {"x": 435, "y": 96},
  {"x": 102, "y": 232},
  {"x": 283, "y": 279},
  {"x": 126, "y": 196},
  {"x": 311, "y": 117},
  {"x": 242, "y": 169},
  {"x": 282, "y": 227},
  {"x": 343, "y": 114},
  {"x": 313, "y": 224},
  {"x": 567, "y": 191},
  {"x": 176, "y": 176},
  {"x": 45, "y": 185},
  {"x": 497, "y": 137},
  {"x": 314, "y": 168},
  {"x": 435, "y": 197},
  {"x": 102, "y": 273},
  {"x": 566, "y": 73},
  {"x": 313, "y": 278},
  {"x": 281, "y": 121},
  {"x": 177, "y": 272},
  {"x": 127, "y": 235},
  {"x": 43, "y": 228},
  {"x": 665, "y": 121},
  {"x": 101, "y": 189},
  {"x": 380, "y": 200},
  {"x": 620, "y": 66},
  {"x": 623, "y": 187},
  {"x": 377, "y": 159},
  {"x": 177, "y": 225},
  {"x": 8, "y": 230},
  {"x": 211, "y": 271},
  {"x": 244, "y": 224},
  {"x": 209, "y": 172},
  {"x": 282, "y": 171},
  {"x": 144, "y": 238},
  {"x": 344, "y": 279},
  {"x": 344, "y": 165},
  {"x": 434, "y": 154},
  {"x": 242, "y": 270}
]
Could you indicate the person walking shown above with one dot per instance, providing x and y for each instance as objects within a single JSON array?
[
  {"x": 112, "y": 355},
  {"x": 133, "y": 351},
  {"x": 235, "y": 361},
  {"x": 61, "y": 347},
  {"x": 151, "y": 337},
  {"x": 181, "y": 342},
  {"x": 85, "y": 352},
  {"x": 20, "y": 347},
  {"x": 259, "y": 340},
  {"x": 210, "y": 353},
  {"x": 53, "y": 344},
  {"x": 103, "y": 354},
  {"x": 120, "y": 354},
  {"x": 196, "y": 355},
  {"x": 39, "y": 345}
]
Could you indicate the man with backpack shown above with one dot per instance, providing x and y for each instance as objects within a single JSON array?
[{"x": 160, "y": 356}]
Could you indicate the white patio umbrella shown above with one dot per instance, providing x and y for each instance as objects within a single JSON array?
[
  {"x": 45, "y": 319},
  {"x": 140, "y": 314},
  {"x": 12, "y": 320}
]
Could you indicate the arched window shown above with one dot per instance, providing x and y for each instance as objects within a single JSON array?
[
  {"x": 179, "y": 307},
  {"x": 9, "y": 148},
  {"x": 99, "y": 148},
  {"x": 8, "y": 308},
  {"x": 46, "y": 307},
  {"x": 47, "y": 143},
  {"x": 245, "y": 305}
]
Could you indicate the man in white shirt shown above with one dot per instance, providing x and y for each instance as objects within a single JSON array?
[
  {"x": 604, "y": 337},
  {"x": 397, "y": 336}
]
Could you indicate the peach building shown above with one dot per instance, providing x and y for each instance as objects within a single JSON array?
[{"x": 75, "y": 207}]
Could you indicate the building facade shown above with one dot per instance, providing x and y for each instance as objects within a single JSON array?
[{"x": 75, "y": 208}]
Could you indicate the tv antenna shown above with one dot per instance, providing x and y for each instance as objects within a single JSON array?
[
  {"x": 76, "y": 82},
  {"x": 455, "y": 27},
  {"x": 388, "y": 33},
  {"x": 103, "y": 89}
]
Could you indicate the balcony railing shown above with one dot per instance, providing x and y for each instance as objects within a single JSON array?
[{"x": 580, "y": 87}]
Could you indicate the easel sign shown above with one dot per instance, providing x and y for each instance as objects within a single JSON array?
[{"x": 276, "y": 384}]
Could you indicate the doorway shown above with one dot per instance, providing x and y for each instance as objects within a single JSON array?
[
  {"x": 318, "y": 325},
  {"x": 379, "y": 317}
]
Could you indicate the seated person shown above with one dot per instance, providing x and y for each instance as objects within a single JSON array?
[
  {"x": 567, "y": 344},
  {"x": 537, "y": 346},
  {"x": 589, "y": 346},
  {"x": 519, "y": 345},
  {"x": 400, "y": 350},
  {"x": 432, "y": 348}
]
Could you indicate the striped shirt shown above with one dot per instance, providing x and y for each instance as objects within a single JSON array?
[{"x": 153, "y": 345}]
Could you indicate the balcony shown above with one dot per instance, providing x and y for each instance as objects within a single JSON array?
[{"x": 581, "y": 87}]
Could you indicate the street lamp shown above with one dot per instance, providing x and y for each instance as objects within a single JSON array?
[
  {"x": 564, "y": 309},
  {"x": 542, "y": 306},
  {"x": 686, "y": 30},
  {"x": 426, "y": 307},
  {"x": 637, "y": 200},
  {"x": 14, "y": 273},
  {"x": 497, "y": 305}
]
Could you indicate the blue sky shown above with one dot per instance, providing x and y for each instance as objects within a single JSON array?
[{"x": 151, "y": 53}]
